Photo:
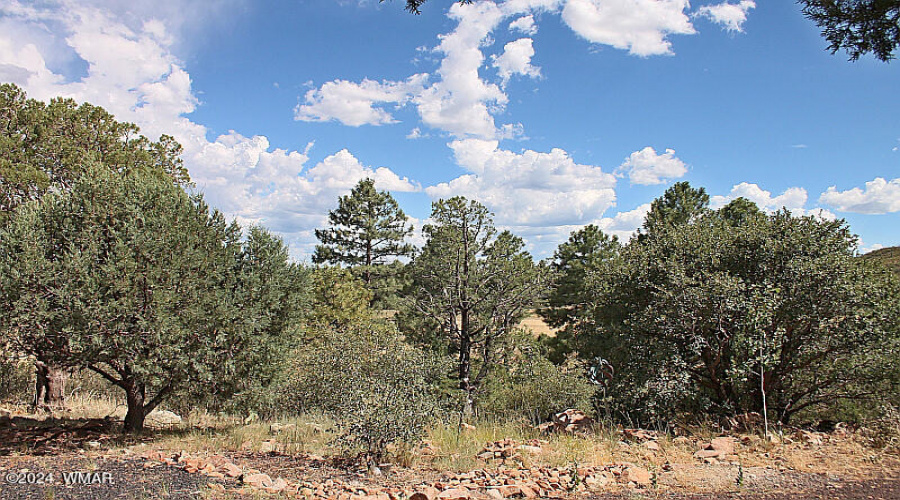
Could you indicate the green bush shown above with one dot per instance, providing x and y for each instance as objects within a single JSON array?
[
  {"x": 691, "y": 316},
  {"x": 527, "y": 385},
  {"x": 16, "y": 379},
  {"x": 370, "y": 381}
]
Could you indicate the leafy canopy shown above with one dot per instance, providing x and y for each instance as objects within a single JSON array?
[
  {"x": 129, "y": 276},
  {"x": 44, "y": 146},
  {"x": 857, "y": 27},
  {"x": 709, "y": 316}
]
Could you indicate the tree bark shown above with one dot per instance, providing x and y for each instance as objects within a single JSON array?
[
  {"x": 49, "y": 385},
  {"x": 134, "y": 397}
]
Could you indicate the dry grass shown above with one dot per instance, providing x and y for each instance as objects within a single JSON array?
[
  {"x": 450, "y": 449},
  {"x": 202, "y": 432},
  {"x": 537, "y": 326}
]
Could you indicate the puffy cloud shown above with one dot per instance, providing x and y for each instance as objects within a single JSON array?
[
  {"x": 354, "y": 103},
  {"x": 730, "y": 15},
  {"x": 515, "y": 7},
  {"x": 645, "y": 167},
  {"x": 793, "y": 199},
  {"x": 133, "y": 73},
  {"x": 625, "y": 224},
  {"x": 879, "y": 197},
  {"x": 531, "y": 188},
  {"x": 516, "y": 60},
  {"x": 456, "y": 99},
  {"x": 524, "y": 24},
  {"x": 639, "y": 26},
  {"x": 460, "y": 102}
]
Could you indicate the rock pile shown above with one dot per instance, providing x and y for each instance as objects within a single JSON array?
[
  {"x": 715, "y": 450},
  {"x": 482, "y": 484}
]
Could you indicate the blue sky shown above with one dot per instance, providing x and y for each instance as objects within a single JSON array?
[{"x": 553, "y": 113}]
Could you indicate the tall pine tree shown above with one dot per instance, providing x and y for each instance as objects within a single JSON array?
[{"x": 368, "y": 232}]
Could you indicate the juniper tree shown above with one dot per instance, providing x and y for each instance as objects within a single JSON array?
[
  {"x": 47, "y": 146},
  {"x": 128, "y": 276},
  {"x": 714, "y": 316}
]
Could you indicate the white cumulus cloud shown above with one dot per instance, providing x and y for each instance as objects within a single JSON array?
[
  {"x": 354, "y": 104},
  {"x": 516, "y": 60},
  {"x": 132, "y": 72},
  {"x": 639, "y": 26},
  {"x": 645, "y": 167},
  {"x": 524, "y": 24},
  {"x": 530, "y": 188},
  {"x": 793, "y": 199},
  {"x": 880, "y": 196},
  {"x": 624, "y": 224},
  {"x": 730, "y": 15}
]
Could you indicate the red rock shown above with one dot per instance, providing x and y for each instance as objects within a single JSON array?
[
  {"x": 509, "y": 490},
  {"x": 529, "y": 491},
  {"x": 258, "y": 480},
  {"x": 724, "y": 445},
  {"x": 637, "y": 475},
  {"x": 707, "y": 453},
  {"x": 425, "y": 493},
  {"x": 231, "y": 470},
  {"x": 455, "y": 494}
]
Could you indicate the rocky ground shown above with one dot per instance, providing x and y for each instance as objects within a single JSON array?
[{"x": 38, "y": 459}]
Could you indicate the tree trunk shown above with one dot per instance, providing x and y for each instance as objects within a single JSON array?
[
  {"x": 134, "y": 418},
  {"x": 465, "y": 370},
  {"x": 49, "y": 385}
]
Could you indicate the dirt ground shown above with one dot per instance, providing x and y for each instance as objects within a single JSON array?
[{"x": 48, "y": 451}]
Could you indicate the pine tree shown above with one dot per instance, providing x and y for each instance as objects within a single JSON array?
[
  {"x": 368, "y": 231},
  {"x": 472, "y": 286},
  {"x": 680, "y": 204}
]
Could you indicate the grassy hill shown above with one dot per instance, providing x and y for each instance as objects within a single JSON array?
[{"x": 889, "y": 257}]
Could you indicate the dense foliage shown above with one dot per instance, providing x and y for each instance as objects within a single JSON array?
[
  {"x": 130, "y": 277},
  {"x": 713, "y": 316},
  {"x": 525, "y": 384},
  {"x": 858, "y": 27},
  {"x": 44, "y": 146},
  {"x": 471, "y": 287},
  {"x": 370, "y": 381},
  {"x": 573, "y": 262}
]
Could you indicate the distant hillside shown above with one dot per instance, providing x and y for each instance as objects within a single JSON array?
[{"x": 889, "y": 256}]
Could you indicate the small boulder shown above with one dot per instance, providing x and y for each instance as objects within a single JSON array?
[
  {"x": 707, "y": 454},
  {"x": 277, "y": 486},
  {"x": 724, "y": 445},
  {"x": 425, "y": 493},
  {"x": 231, "y": 470},
  {"x": 637, "y": 475},
  {"x": 258, "y": 480},
  {"x": 455, "y": 494},
  {"x": 162, "y": 418}
]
